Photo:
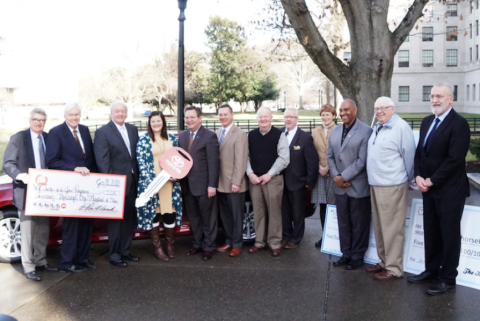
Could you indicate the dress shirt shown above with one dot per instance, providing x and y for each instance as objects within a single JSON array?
[
  {"x": 283, "y": 158},
  {"x": 36, "y": 154},
  {"x": 346, "y": 130},
  {"x": 441, "y": 118},
  {"x": 291, "y": 134},
  {"x": 226, "y": 129},
  {"x": 78, "y": 135}
]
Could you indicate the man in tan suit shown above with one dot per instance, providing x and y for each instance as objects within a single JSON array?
[{"x": 233, "y": 145}]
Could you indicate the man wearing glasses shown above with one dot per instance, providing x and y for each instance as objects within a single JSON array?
[
  {"x": 440, "y": 175},
  {"x": 300, "y": 174},
  {"x": 26, "y": 149},
  {"x": 391, "y": 148}
]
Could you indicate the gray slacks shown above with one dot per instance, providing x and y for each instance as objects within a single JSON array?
[{"x": 34, "y": 231}]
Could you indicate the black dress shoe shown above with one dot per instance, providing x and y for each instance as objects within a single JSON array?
[
  {"x": 353, "y": 265},
  {"x": 440, "y": 288},
  {"x": 46, "y": 267},
  {"x": 72, "y": 268},
  {"x": 130, "y": 257},
  {"x": 342, "y": 261},
  {"x": 207, "y": 256},
  {"x": 193, "y": 251},
  {"x": 87, "y": 265},
  {"x": 318, "y": 244},
  {"x": 33, "y": 276},
  {"x": 119, "y": 263},
  {"x": 424, "y": 277}
]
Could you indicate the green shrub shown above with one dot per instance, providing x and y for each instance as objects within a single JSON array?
[{"x": 475, "y": 147}]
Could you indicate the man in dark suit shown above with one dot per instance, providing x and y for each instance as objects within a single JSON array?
[
  {"x": 200, "y": 185},
  {"x": 440, "y": 175},
  {"x": 26, "y": 149},
  {"x": 347, "y": 160},
  {"x": 300, "y": 174},
  {"x": 70, "y": 148},
  {"x": 115, "y": 151}
]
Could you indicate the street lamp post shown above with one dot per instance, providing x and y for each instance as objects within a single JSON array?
[
  {"x": 182, "y": 5},
  {"x": 319, "y": 98},
  {"x": 285, "y": 99}
]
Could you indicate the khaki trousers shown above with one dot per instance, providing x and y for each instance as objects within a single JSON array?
[
  {"x": 389, "y": 211},
  {"x": 267, "y": 209}
]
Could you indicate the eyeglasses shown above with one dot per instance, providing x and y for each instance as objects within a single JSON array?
[
  {"x": 290, "y": 117},
  {"x": 381, "y": 108},
  {"x": 38, "y": 121}
]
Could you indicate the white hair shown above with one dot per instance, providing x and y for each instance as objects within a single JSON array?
[
  {"x": 264, "y": 108},
  {"x": 70, "y": 106},
  {"x": 448, "y": 85},
  {"x": 291, "y": 108},
  {"x": 38, "y": 111},
  {"x": 116, "y": 103},
  {"x": 388, "y": 99}
]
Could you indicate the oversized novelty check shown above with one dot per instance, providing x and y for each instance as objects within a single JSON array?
[{"x": 70, "y": 194}]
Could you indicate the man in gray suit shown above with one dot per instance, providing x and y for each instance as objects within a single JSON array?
[
  {"x": 347, "y": 157},
  {"x": 26, "y": 149},
  {"x": 199, "y": 187},
  {"x": 115, "y": 148}
]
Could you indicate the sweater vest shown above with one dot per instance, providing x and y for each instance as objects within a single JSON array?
[{"x": 263, "y": 149}]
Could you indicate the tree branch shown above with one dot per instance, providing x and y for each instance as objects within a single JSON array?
[
  {"x": 404, "y": 28},
  {"x": 313, "y": 42}
]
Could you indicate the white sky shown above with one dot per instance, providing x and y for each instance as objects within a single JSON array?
[{"x": 59, "y": 40}]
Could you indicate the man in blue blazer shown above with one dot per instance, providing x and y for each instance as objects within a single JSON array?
[
  {"x": 26, "y": 150},
  {"x": 347, "y": 160},
  {"x": 70, "y": 148},
  {"x": 439, "y": 169},
  {"x": 115, "y": 152},
  {"x": 300, "y": 174}
]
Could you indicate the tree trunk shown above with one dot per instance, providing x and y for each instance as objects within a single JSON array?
[{"x": 369, "y": 73}]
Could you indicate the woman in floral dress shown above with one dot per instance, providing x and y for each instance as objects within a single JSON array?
[{"x": 167, "y": 204}]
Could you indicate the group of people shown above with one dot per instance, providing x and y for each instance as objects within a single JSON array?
[{"x": 364, "y": 172}]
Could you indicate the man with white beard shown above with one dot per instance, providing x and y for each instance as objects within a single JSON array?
[{"x": 440, "y": 174}]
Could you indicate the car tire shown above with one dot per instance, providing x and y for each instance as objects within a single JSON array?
[
  {"x": 248, "y": 223},
  {"x": 10, "y": 236}
]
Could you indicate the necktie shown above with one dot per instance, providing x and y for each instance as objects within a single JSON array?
[
  {"x": 41, "y": 151},
  {"x": 123, "y": 131},
  {"x": 190, "y": 140},
  {"x": 77, "y": 141},
  {"x": 222, "y": 137},
  {"x": 430, "y": 136}
]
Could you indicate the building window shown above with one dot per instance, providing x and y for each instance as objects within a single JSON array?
[
  {"x": 471, "y": 55},
  {"x": 476, "y": 52},
  {"x": 407, "y": 39},
  {"x": 452, "y": 58},
  {"x": 455, "y": 92},
  {"x": 403, "y": 58},
  {"x": 403, "y": 93},
  {"x": 451, "y": 10},
  {"x": 474, "y": 91},
  {"x": 471, "y": 31},
  {"x": 427, "y": 34},
  {"x": 427, "y": 58},
  {"x": 468, "y": 92},
  {"x": 452, "y": 33},
  {"x": 476, "y": 4},
  {"x": 426, "y": 93},
  {"x": 476, "y": 27}
]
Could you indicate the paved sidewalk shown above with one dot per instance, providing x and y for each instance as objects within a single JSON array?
[{"x": 300, "y": 285}]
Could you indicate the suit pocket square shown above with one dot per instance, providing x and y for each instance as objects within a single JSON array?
[{"x": 296, "y": 147}]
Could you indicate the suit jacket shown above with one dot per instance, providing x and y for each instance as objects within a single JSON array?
[
  {"x": 112, "y": 155},
  {"x": 320, "y": 141},
  {"x": 303, "y": 167},
  {"x": 444, "y": 162},
  {"x": 18, "y": 158},
  {"x": 350, "y": 159},
  {"x": 206, "y": 163},
  {"x": 233, "y": 160},
  {"x": 63, "y": 152}
]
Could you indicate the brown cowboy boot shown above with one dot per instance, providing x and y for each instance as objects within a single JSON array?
[
  {"x": 155, "y": 236},
  {"x": 170, "y": 235}
]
